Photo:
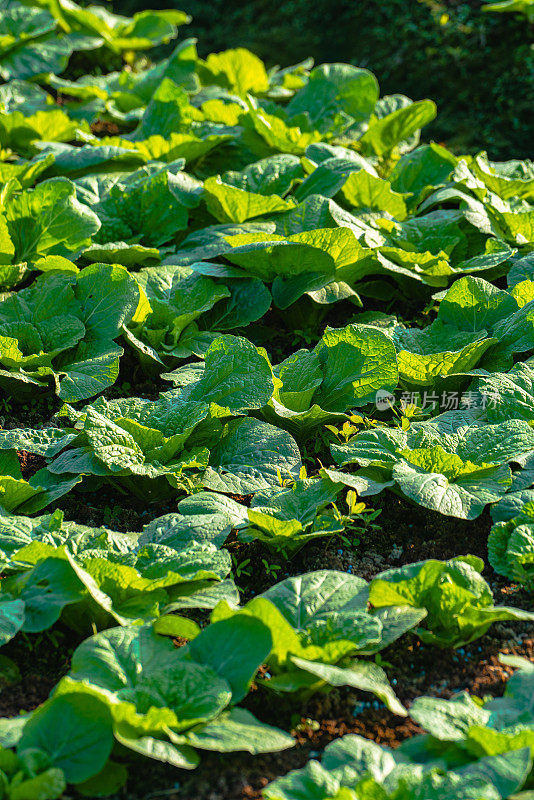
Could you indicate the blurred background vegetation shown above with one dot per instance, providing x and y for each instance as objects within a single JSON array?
[{"x": 478, "y": 67}]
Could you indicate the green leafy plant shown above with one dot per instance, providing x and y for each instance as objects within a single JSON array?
[
  {"x": 511, "y": 540},
  {"x": 455, "y": 464},
  {"x": 72, "y": 352},
  {"x": 458, "y": 601},
  {"x": 454, "y": 757},
  {"x": 210, "y": 215},
  {"x": 319, "y": 623},
  {"x": 155, "y": 700},
  {"x": 95, "y": 577}
]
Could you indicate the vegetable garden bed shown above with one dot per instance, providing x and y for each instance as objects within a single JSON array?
[{"x": 266, "y": 430}]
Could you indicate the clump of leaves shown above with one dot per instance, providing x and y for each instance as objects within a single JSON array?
[{"x": 458, "y": 601}]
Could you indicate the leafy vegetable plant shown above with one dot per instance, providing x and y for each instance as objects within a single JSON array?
[
  {"x": 320, "y": 623},
  {"x": 445, "y": 761},
  {"x": 236, "y": 301},
  {"x": 59, "y": 333},
  {"x": 458, "y": 601}
]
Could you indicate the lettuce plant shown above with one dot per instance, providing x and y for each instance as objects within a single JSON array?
[
  {"x": 39, "y": 222},
  {"x": 344, "y": 371},
  {"x": 96, "y": 577},
  {"x": 286, "y": 518},
  {"x": 511, "y": 540},
  {"x": 186, "y": 309},
  {"x": 59, "y": 332},
  {"x": 30, "y": 775},
  {"x": 455, "y": 464},
  {"x": 465, "y": 728},
  {"x": 155, "y": 447},
  {"x": 28, "y": 496},
  {"x": 155, "y": 700},
  {"x": 190, "y": 437},
  {"x": 458, "y": 601},
  {"x": 148, "y": 206},
  {"x": 311, "y": 387},
  {"x": 320, "y": 624}
]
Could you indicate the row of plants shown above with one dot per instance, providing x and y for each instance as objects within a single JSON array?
[{"x": 324, "y": 309}]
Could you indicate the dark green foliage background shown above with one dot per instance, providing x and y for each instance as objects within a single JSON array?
[{"x": 478, "y": 67}]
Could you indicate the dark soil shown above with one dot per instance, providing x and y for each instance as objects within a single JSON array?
[
  {"x": 42, "y": 659},
  {"x": 30, "y": 463},
  {"x": 134, "y": 381},
  {"x": 105, "y": 128},
  {"x": 109, "y": 507}
]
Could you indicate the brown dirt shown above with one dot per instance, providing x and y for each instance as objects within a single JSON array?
[
  {"x": 104, "y": 127},
  {"x": 244, "y": 499},
  {"x": 30, "y": 463},
  {"x": 42, "y": 659}
]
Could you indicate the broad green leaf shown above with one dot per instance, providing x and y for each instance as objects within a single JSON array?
[
  {"x": 50, "y": 784},
  {"x": 152, "y": 686},
  {"x": 238, "y": 730},
  {"x": 428, "y": 165},
  {"x": 231, "y": 204},
  {"x": 11, "y": 617},
  {"x": 316, "y": 595},
  {"x": 234, "y": 648},
  {"x": 249, "y": 456},
  {"x": 149, "y": 208},
  {"x": 108, "y": 781},
  {"x": 49, "y": 220},
  {"x": 458, "y": 600},
  {"x": 238, "y": 70},
  {"x": 361, "y": 675},
  {"x": 422, "y": 360},
  {"x": 357, "y": 361},
  {"x": 281, "y": 135},
  {"x": 384, "y": 133},
  {"x": 363, "y": 190},
  {"x": 509, "y": 395},
  {"x": 179, "y": 756},
  {"x": 444, "y": 482},
  {"x": 18, "y": 132},
  {"x": 83, "y": 736},
  {"x": 472, "y": 304},
  {"x": 313, "y": 782},
  {"x": 30, "y": 44},
  {"x": 274, "y": 175},
  {"x": 333, "y": 88},
  {"x": 74, "y": 162},
  {"x": 448, "y": 720},
  {"x": 46, "y": 590},
  {"x": 237, "y": 375}
]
